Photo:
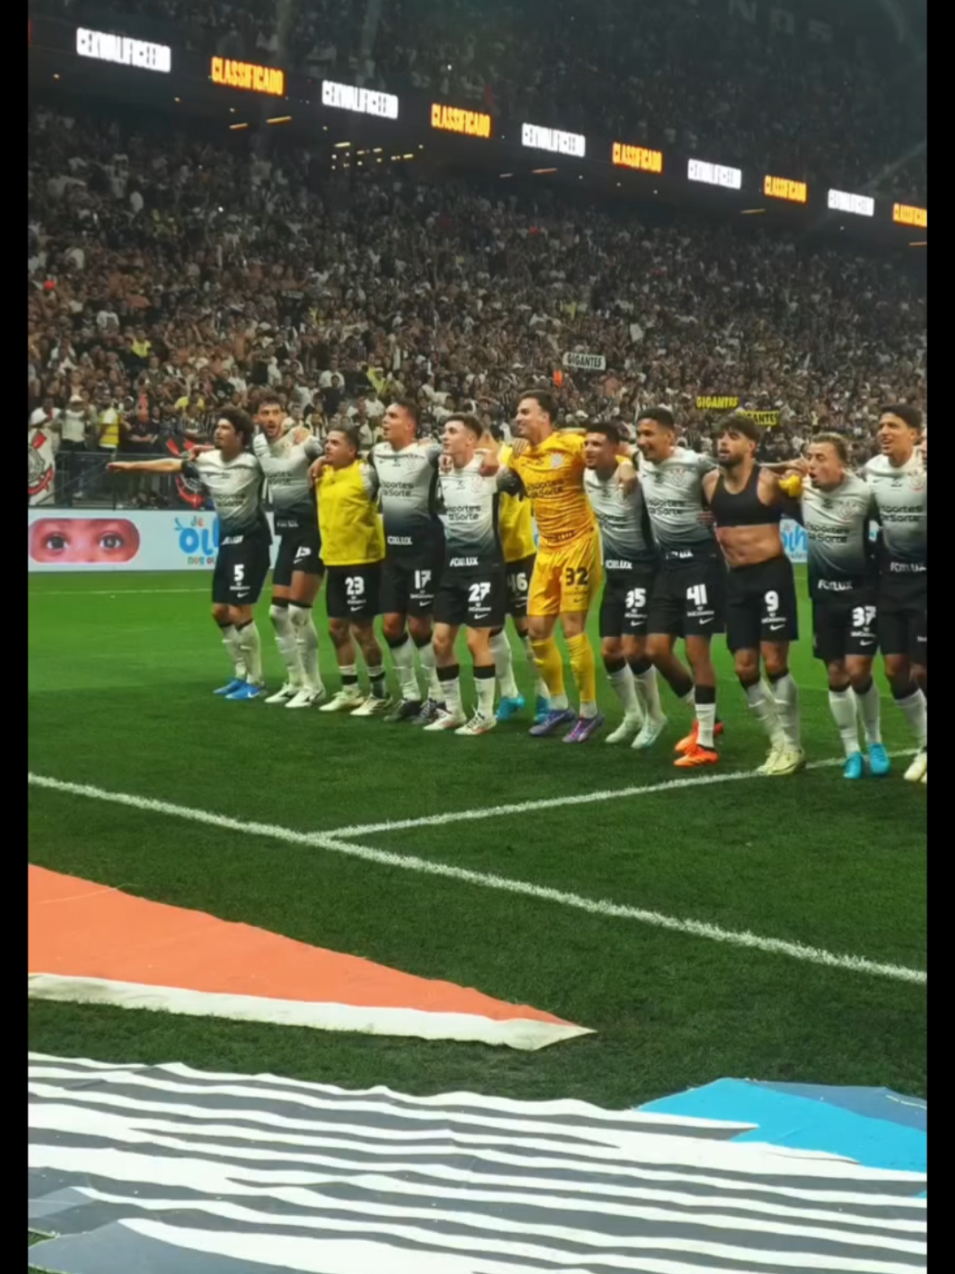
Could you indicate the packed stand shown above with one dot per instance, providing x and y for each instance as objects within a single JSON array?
[
  {"x": 662, "y": 73},
  {"x": 167, "y": 278}
]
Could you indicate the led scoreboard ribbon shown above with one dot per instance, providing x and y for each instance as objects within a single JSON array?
[
  {"x": 638, "y": 157},
  {"x": 454, "y": 119},
  {"x": 904, "y": 214},
  {"x": 248, "y": 76},
  {"x": 783, "y": 188}
]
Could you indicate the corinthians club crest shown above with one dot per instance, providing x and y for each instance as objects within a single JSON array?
[{"x": 40, "y": 467}]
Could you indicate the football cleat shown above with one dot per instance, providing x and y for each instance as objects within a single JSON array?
[
  {"x": 374, "y": 706},
  {"x": 691, "y": 740},
  {"x": 407, "y": 710},
  {"x": 445, "y": 720},
  {"x": 541, "y": 710},
  {"x": 555, "y": 718},
  {"x": 697, "y": 756},
  {"x": 429, "y": 712},
  {"x": 919, "y": 767},
  {"x": 649, "y": 734},
  {"x": 785, "y": 761},
  {"x": 306, "y": 698},
  {"x": 509, "y": 708},
  {"x": 855, "y": 767},
  {"x": 477, "y": 725},
  {"x": 233, "y": 685},
  {"x": 879, "y": 763},
  {"x": 346, "y": 700},
  {"x": 627, "y": 730},
  {"x": 287, "y": 692},
  {"x": 246, "y": 691},
  {"x": 585, "y": 729}
]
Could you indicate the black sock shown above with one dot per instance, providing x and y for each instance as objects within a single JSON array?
[
  {"x": 614, "y": 664},
  {"x": 639, "y": 666}
]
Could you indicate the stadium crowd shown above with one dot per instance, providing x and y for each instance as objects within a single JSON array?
[
  {"x": 661, "y": 72},
  {"x": 168, "y": 278}
]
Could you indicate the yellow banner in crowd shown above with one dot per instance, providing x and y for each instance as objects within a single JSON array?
[
  {"x": 768, "y": 418},
  {"x": 706, "y": 402}
]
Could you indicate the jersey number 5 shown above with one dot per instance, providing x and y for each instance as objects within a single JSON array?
[{"x": 577, "y": 576}]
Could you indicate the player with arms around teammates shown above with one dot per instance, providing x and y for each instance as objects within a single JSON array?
[
  {"x": 629, "y": 564},
  {"x": 285, "y": 458},
  {"x": 567, "y": 571},
  {"x": 689, "y": 588},
  {"x": 353, "y": 548},
  {"x": 836, "y": 508},
  {"x": 471, "y": 590},
  {"x": 407, "y": 474},
  {"x": 898, "y": 478},
  {"x": 747, "y": 503},
  {"x": 232, "y": 476}
]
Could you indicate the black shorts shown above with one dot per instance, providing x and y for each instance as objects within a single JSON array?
[
  {"x": 353, "y": 592},
  {"x": 689, "y": 598},
  {"x": 299, "y": 550},
  {"x": 475, "y": 600},
  {"x": 761, "y": 605},
  {"x": 517, "y": 577},
  {"x": 240, "y": 570},
  {"x": 845, "y": 624},
  {"x": 408, "y": 584},
  {"x": 903, "y": 617},
  {"x": 625, "y": 608}
]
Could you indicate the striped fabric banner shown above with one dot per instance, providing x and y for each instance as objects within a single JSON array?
[{"x": 167, "y": 1170}]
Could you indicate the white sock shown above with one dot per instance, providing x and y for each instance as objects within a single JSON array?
[
  {"x": 306, "y": 639},
  {"x": 450, "y": 695},
  {"x": 485, "y": 692},
  {"x": 252, "y": 652},
  {"x": 540, "y": 685},
  {"x": 842, "y": 705},
  {"x": 285, "y": 640},
  {"x": 763, "y": 708},
  {"x": 915, "y": 708},
  {"x": 706, "y": 716},
  {"x": 233, "y": 644},
  {"x": 426, "y": 658},
  {"x": 648, "y": 693},
  {"x": 625, "y": 690},
  {"x": 504, "y": 665},
  {"x": 403, "y": 659},
  {"x": 786, "y": 695},
  {"x": 870, "y": 709}
]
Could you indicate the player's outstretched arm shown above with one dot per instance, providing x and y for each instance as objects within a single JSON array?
[{"x": 172, "y": 465}]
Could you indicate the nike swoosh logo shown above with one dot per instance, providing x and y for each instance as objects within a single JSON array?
[
  {"x": 866, "y": 643},
  {"x": 705, "y": 621}
]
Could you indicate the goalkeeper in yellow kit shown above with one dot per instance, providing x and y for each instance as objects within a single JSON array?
[{"x": 567, "y": 572}]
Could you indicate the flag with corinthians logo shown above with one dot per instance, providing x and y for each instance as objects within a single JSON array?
[{"x": 41, "y": 467}]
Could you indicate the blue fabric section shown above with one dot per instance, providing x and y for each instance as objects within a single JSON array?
[
  {"x": 801, "y": 1123},
  {"x": 874, "y": 1103}
]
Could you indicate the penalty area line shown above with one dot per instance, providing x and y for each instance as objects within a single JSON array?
[
  {"x": 542, "y": 893},
  {"x": 559, "y": 802}
]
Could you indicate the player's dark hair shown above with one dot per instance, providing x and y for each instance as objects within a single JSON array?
[
  {"x": 545, "y": 400},
  {"x": 350, "y": 434},
  {"x": 662, "y": 416},
  {"x": 471, "y": 423},
  {"x": 269, "y": 400},
  {"x": 240, "y": 421},
  {"x": 905, "y": 411},
  {"x": 739, "y": 423},
  {"x": 410, "y": 406},
  {"x": 608, "y": 428}
]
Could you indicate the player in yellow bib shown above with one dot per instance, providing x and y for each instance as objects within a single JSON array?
[{"x": 567, "y": 573}]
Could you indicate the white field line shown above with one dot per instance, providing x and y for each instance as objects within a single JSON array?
[
  {"x": 109, "y": 592},
  {"x": 593, "y": 906},
  {"x": 557, "y": 802}
]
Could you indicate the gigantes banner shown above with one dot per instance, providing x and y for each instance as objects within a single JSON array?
[{"x": 121, "y": 540}]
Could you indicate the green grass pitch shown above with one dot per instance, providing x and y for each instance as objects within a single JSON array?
[{"x": 120, "y": 677}]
